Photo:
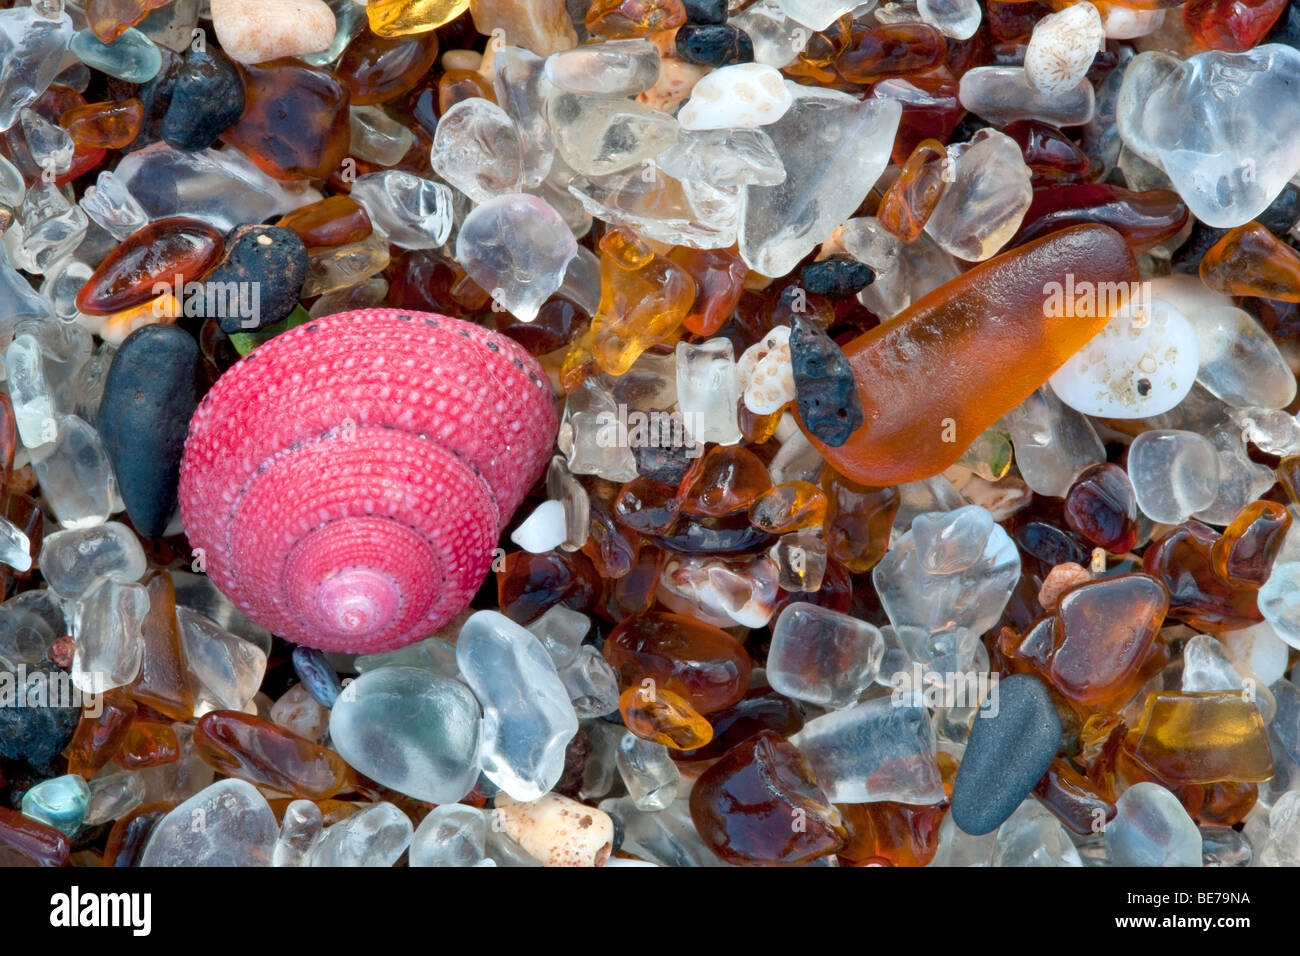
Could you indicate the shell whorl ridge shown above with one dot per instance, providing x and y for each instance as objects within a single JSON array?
[{"x": 348, "y": 480}]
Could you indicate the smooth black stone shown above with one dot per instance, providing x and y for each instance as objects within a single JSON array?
[
  {"x": 206, "y": 100},
  {"x": 714, "y": 44},
  {"x": 705, "y": 11},
  {"x": 1007, "y": 754},
  {"x": 269, "y": 265},
  {"x": 36, "y": 734},
  {"x": 838, "y": 275},
  {"x": 149, "y": 396},
  {"x": 824, "y": 387}
]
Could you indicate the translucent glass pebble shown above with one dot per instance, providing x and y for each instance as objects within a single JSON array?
[
  {"x": 1151, "y": 828},
  {"x": 109, "y": 649},
  {"x": 75, "y": 561},
  {"x": 597, "y": 136},
  {"x": 877, "y": 750},
  {"x": 410, "y": 730},
  {"x": 374, "y": 836},
  {"x": 612, "y": 68},
  {"x": 299, "y": 831},
  {"x": 1279, "y": 601},
  {"x": 226, "y": 824},
  {"x": 413, "y": 212},
  {"x": 227, "y": 668},
  {"x": 517, "y": 248},
  {"x": 75, "y": 475},
  {"x": 1053, "y": 443},
  {"x": 983, "y": 206},
  {"x": 650, "y": 775},
  {"x": 451, "y": 835},
  {"x": 31, "y": 54},
  {"x": 821, "y": 656},
  {"x": 528, "y": 719},
  {"x": 591, "y": 683},
  {"x": 477, "y": 148},
  {"x": 817, "y": 14},
  {"x": 561, "y": 631},
  {"x": 1226, "y": 128},
  {"x": 132, "y": 57},
  {"x": 724, "y": 157},
  {"x": 708, "y": 391},
  {"x": 1239, "y": 362},
  {"x": 1174, "y": 474},
  {"x": 1004, "y": 94},
  {"x": 833, "y": 148},
  {"x": 1032, "y": 836},
  {"x": 30, "y": 392},
  {"x": 958, "y": 19},
  {"x": 60, "y": 802},
  {"x": 953, "y": 568},
  {"x": 1143, "y": 363}
]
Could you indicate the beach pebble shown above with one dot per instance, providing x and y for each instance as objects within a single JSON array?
[
  {"x": 1062, "y": 47},
  {"x": 746, "y": 95},
  {"x": 765, "y": 375},
  {"x": 556, "y": 830},
  {"x": 254, "y": 31},
  {"x": 1143, "y": 363}
]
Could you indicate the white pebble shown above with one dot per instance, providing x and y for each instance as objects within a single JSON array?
[
  {"x": 556, "y": 830},
  {"x": 1062, "y": 47},
  {"x": 765, "y": 374},
  {"x": 254, "y": 31},
  {"x": 543, "y": 530},
  {"x": 744, "y": 95},
  {"x": 1142, "y": 363}
]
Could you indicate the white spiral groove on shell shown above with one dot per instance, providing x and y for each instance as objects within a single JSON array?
[{"x": 348, "y": 479}]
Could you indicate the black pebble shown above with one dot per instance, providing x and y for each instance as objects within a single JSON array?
[
  {"x": 36, "y": 734},
  {"x": 206, "y": 101},
  {"x": 275, "y": 259},
  {"x": 838, "y": 275},
  {"x": 824, "y": 387},
  {"x": 1007, "y": 754},
  {"x": 714, "y": 44},
  {"x": 705, "y": 11},
  {"x": 155, "y": 96},
  {"x": 148, "y": 399},
  {"x": 668, "y": 464}
]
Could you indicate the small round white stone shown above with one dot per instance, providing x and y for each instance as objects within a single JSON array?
[
  {"x": 744, "y": 95},
  {"x": 1142, "y": 363},
  {"x": 543, "y": 530}
]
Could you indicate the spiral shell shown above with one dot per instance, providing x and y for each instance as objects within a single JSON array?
[{"x": 348, "y": 480}]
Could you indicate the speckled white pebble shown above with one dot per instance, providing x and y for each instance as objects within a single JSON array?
[
  {"x": 744, "y": 95},
  {"x": 556, "y": 830},
  {"x": 254, "y": 31},
  {"x": 765, "y": 374},
  {"x": 1142, "y": 363},
  {"x": 1062, "y": 47}
]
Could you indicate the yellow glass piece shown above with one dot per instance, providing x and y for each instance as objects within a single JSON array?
[
  {"x": 397, "y": 18},
  {"x": 643, "y": 300},
  {"x": 1202, "y": 738}
]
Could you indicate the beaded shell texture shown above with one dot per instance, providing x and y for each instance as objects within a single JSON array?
[{"x": 346, "y": 482}]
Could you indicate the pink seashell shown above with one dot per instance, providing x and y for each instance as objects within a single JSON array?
[{"x": 347, "y": 481}]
